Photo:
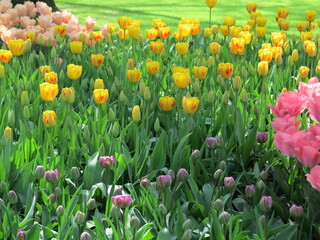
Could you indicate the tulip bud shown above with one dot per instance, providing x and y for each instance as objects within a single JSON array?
[
  {"x": 244, "y": 72},
  {"x": 296, "y": 211},
  {"x": 115, "y": 129},
  {"x": 136, "y": 113},
  {"x": 144, "y": 182},
  {"x": 107, "y": 161},
  {"x": 2, "y": 72},
  {"x": 79, "y": 218},
  {"x": 220, "y": 81},
  {"x": 278, "y": 59},
  {"x": 223, "y": 165},
  {"x": 156, "y": 125},
  {"x": 187, "y": 224},
  {"x": 91, "y": 204},
  {"x": 195, "y": 154},
  {"x": 262, "y": 220},
  {"x": 218, "y": 204},
  {"x": 122, "y": 97},
  {"x": 182, "y": 175},
  {"x": 290, "y": 61},
  {"x": 130, "y": 63},
  {"x": 211, "y": 62},
  {"x": 261, "y": 137},
  {"x": 24, "y": 98},
  {"x": 7, "y": 132},
  {"x": 224, "y": 217},
  {"x": 146, "y": 94},
  {"x": 295, "y": 55},
  {"x": 117, "y": 191},
  {"x": 197, "y": 87},
  {"x": 225, "y": 98},
  {"x": 60, "y": 211},
  {"x": 265, "y": 203},
  {"x": 112, "y": 116},
  {"x": 217, "y": 174},
  {"x": 114, "y": 213},
  {"x": 187, "y": 235},
  {"x": 229, "y": 182},
  {"x": 39, "y": 172},
  {"x": 134, "y": 222},
  {"x": 261, "y": 185},
  {"x": 12, "y": 197},
  {"x": 105, "y": 223},
  {"x": 244, "y": 96},
  {"x": 58, "y": 192},
  {"x": 163, "y": 182},
  {"x": 1, "y": 204},
  {"x": 26, "y": 113},
  {"x": 85, "y": 236},
  {"x": 264, "y": 175},
  {"x": 21, "y": 235},
  {"x": 250, "y": 191},
  {"x": 3, "y": 186},
  {"x": 163, "y": 209},
  {"x": 237, "y": 83},
  {"x": 11, "y": 118},
  {"x": 74, "y": 173},
  {"x": 171, "y": 174}
]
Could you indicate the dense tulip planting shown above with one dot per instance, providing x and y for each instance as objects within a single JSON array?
[{"x": 201, "y": 133}]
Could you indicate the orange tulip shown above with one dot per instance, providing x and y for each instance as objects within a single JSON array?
[
  {"x": 152, "y": 33},
  {"x": 211, "y": 3},
  {"x": 237, "y": 46},
  {"x": 5, "y": 55},
  {"x": 310, "y": 15},
  {"x": 265, "y": 54},
  {"x": 304, "y": 71},
  {"x": 164, "y": 32}
]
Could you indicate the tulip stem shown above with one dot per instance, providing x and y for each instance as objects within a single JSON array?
[
  {"x": 124, "y": 225},
  {"x": 210, "y": 17}
]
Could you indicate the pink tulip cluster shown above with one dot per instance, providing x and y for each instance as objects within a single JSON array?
[
  {"x": 289, "y": 139},
  {"x": 16, "y": 22}
]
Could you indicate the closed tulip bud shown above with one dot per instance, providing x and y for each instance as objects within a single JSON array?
[
  {"x": 290, "y": 61},
  {"x": 237, "y": 83},
  {"x": 85, "y": 236},
  {"x": 229, "y": 182},
  {"x": 1, "y": 204},
  {"x": 2, "y": 73},
  {"x": 106, "y": 161},
  {"x": 218, "y": 204},
  {"x": 136, "y": 113},
  {"x": 211, "y": 97},
  {"x": 156, "y": 125},
  {"x": 261, "y": 185},
  {"x": 79, "y": 218},
  {"x": 196, "y": 154},
  {"x": 261, "y": 137},
  {"x": 250, "y": 191},
  {"x": 263, "y": 68},
  {"x": 147, "y": 95},
  {"x": 3, "y": 186},
  {"x": 112, "y": 116},
  {"x": 163, "y": 209},
  {"x": 11, "y": 118},
  {"x": 117, "y": 191},
  {"x": 145, "y": 182},
  {"x": 265, "y": 203},
  {"x": 295, "y": 55},
  {"x": 244, "y": 96},
  {"x": 197, "y": 87},
  {"x": 68, "y": 95},
  {"x": 24, "y": 98},
  {"x": 60, "y": 211},
  {"x": 187, "y": 224},
  {"x": 262, "y": 220},
  {"x": 296, "y": 211},
  {"x": 98, "y": 83},
  {"x": 264, "y": 175},
  {"x": 114, "y": 213},
  {"x": 211, "y": 62},
  {"x": 217, "y": 174},
  {"x": 91, "y": 204},
  {"x": 278, "y": 60},
  {"x": 163, "y": 182},
  {"x": 187, "y": 235},
  {"x": 224, "y": 217},
  {"x": 7, "y": 132},
  {"x": 58, "y": 192},
  {"x": 12, "y": 197},
  {"x": 115, "y": 129},
  {"x": 39, "y": 172},
  {"x": 182, "y": 175},
  {"x": 74, "y": 173},
  {"x": 130, "y": 63},
  {"x": 122, "y": 97},
  {"x": 264, "y": 88},
  {"x": 134, "y": 222},
  {"x": 21, "y": 235},
  {"x": 225, "y": 98}
]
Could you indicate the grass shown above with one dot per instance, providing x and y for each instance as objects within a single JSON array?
[{"x": 171, "y": 11}]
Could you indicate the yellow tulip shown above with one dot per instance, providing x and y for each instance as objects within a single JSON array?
[
  {"x": 194, "y": 29},
  {"x": 224, "y": 29},
  {"x": 164, "y": 32},
  {"x": 136, "y": 113},
  {"x": 2, "y": 72},
  {"x": 133, "y": 31},
  {"x": 304, "y": 36},
  {"x": 190, "y": 104},
  {"x": 310, "y": 48},
  {"x": 235, "y": 31},
  {"x": 130, "y": 63},
  {"x": 265, "y": 54},
  {"x": 261, "y": 21},
  {"x": 251, "y": 7},
  {"x": 200, "y": 72},
  {"x": 310, "y": 15},
  {"x": 261, "y": 32},
  {"x": 304, "y": 71},
  {"x": 5, "y": 55},
  {"x": 225, "y": 70},
  {"x": 255, "y": 15},
  {"x": 124, "y": 22},
  {"x": 215, "y": 29},
  {"x": 215, "y": 48},
  {"x": 97, "y": 35},
  {"x": 295, "y": 55},
  {"x": 318, "y": 68},
  {"x": 74, "y": 71},
  {"x": 182, "y": 48},
  {"x": 181, "y": 79},
  {"x": 51, "y": 77},
  {"x": 122, "y": 34},
  {"x": 184, "y": 30},
  {"x": 263, "y": 68},
  {"x": 166, "y": 103},
  {"x": 48, "y": 91},
  {"x": 44, "y": 69},
  {"x": 31, "y": 36},
  {"x": 16, "y": 47},
  {"x": 229, "y": 21},
  {"x": 97, "y": 59},
  {"x": 100, "y": 95},
  {"x": 158, "y": 23},
  {"x": 301, "y": 26},
  {"x": 98, "y": 83},
  {"x": 68, "y": 95},
  {"x": 133, "y": 75},
  {"x": 237, "y": 45},
  {"x": 152, "y": 33},
  {"x": 111, "y": 28},
  {"x": 60, "y": 30},
  {"x": 76, "y": 47},
  {"x": 207, "y": 32},
  {"x": 283, "y": 12},
  {"x": 153, "y": 67},
  {"x": 7, "y": 132},
  {"x": 49, "y": 118},
  {"x": 211, "y": 3},
  {"x": 246, "y": 28},
  {"x": 285, "y": 25},
  {"x": 156, "y": 47}
]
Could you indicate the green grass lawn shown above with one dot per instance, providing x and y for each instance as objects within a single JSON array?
[{"x": 171, "y": 11}]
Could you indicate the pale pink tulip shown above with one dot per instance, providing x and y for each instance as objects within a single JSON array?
[
  {"x": 45, "y": 21},
  {"x": 90, "y": 23},
  {"x": 5, "y": 19},
  {"x": 43, "y": 8},
  {"x": 21, "y": 9},
  {"x": 74, "y": 20},
  {"x": 314, "y": 178},
  {"x": 5, "y": 5},
  {"x": 57, "y": 18},
  {"x": 310, "y": 88},
  {"x": 74, "y": 36},
  {"x": 13, "y": 13},
  {"x": 66, "y": 16},
  {"x": 26, "y": 21}
]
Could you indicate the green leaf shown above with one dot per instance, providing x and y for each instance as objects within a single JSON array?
[
  {"x": 287, "y": 233},
  {"x": 176, "y": 161},
  {"x": 158, "y": 157},
  {"x": 164, "y": 234}
]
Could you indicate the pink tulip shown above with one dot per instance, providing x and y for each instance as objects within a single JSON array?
[
  {"x": 307, "y": 89},
  {"x": 57, "y": 18},
  {"x": 314, "y": 178},
  {"x": 43, "y": 8},
  {"x": 29, "y": 5},
  {"x": 21, "y": 9},
  {"x": 283, "y": 142},
  {"x": 292, "y": 103},
  {"x": 66, "y": 16},
  {"x": 122, "y": 201},
  {"x": 5, "y": 19},
  {"x": 314, "y": 108},
  {"x": 90, "y": 23},
  {"x": 5, "y": 5},
  {"x": 74, "y": 36},
  {"x": 13, "y": 13},
  {"x": 74, "y": 20},
  {"x": 45, "y": 21},
  {"x": 282, "y": 124},
  {"x": 26, "y": 21}
]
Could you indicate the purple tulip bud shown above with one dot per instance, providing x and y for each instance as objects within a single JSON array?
[
  {"x": 265, "y": 203},
  {"x": 195, "y": 154},
  {"x": 74, "y": 173},
  {"x": 213, "y": 142},
  {"x": 21, "y": 235},
  {"x": 39, "y": 172},
  {"x": 171, "y": 174},
  {"x": 134, "y": 222},
  {"x": 85, "y": 236},
  {"x": 117, "y": 191},
  {"x": 261, "y": 137},
  {"x": 52, "y": 198},
  {"x": 296, "y": 211},
  {"x": 122, "y": 201},
  {"x": 229, "y": 182},
  {"x": 51, "y": 176},
  {"x": 250, "y": 191},
  {"x": 145, "y": 182},
  {"x": 163, "y": 182},
  {"x": 79, "y": 218},
  {"x": 182, "y": 175},
  {"x": 224, "y": 217},
  {"x": 12, "y": 197},
  {"x": 107, "y": 161}
]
